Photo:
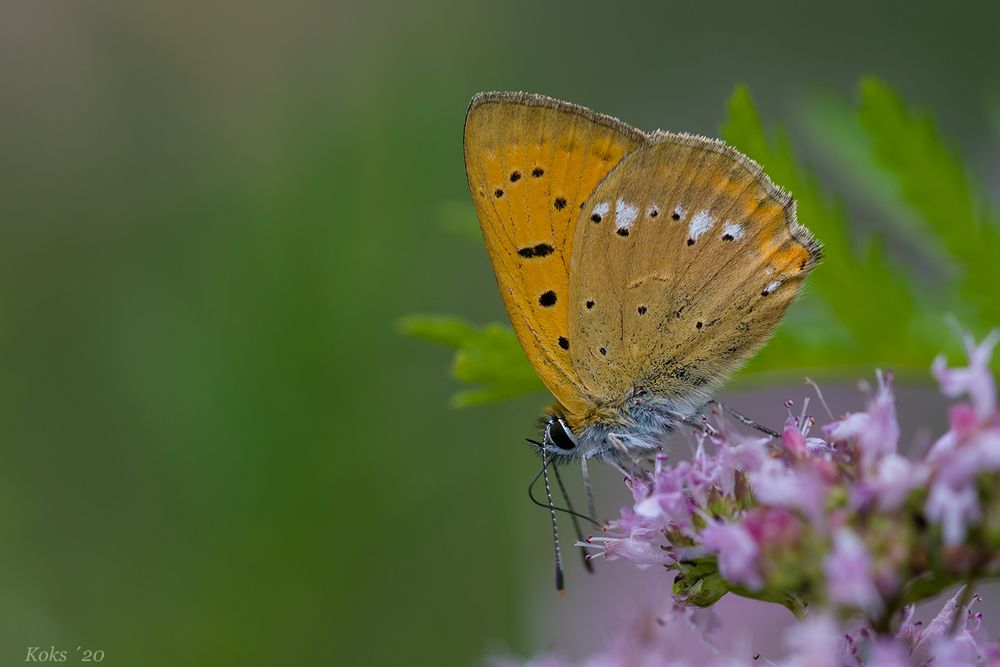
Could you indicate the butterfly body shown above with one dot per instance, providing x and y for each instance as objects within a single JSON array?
[
  {"x": 639, "y": 423},
  {"x": 639, "y": 269}
]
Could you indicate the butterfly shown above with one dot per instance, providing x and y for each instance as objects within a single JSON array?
[{"x": 639, "y": 269}]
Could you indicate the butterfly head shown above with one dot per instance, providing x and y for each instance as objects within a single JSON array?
[{"x": 558, "y": 437}]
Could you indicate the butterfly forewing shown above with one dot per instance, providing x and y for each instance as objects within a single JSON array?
[
  {"x": 688, "y": 274},
  {"x": 532, "y": 162}
]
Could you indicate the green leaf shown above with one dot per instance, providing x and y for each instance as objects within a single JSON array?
[
  {"x": 487, "y": 357},
  {"x": 932, "y": 180},
  {"x": 865, "y": 293},
  {"x": 831, "y": 125},
  {"x": 443, "y": 329}
]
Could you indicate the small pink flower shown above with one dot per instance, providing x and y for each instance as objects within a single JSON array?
[
  {"x": 816, "y": 642},
  {"x": 963, "y": 419},
  {"x": 670, "y": 505},
  {"x": 737, "y": 551},
  {"x": 674, "y": 492},
  {"x": 953, "y": 509},
  {"x": 641, "y": 546},
  {"x": 794, "y": 441},
  {"x": 886, "y": 653},
  {"x": 975, "y": 380},
  {"x": 772, "y": 526},
  {"x": 876, "y": 430},
  {"x": 741, "y": 453},
  {"x": 778, "y": 485},
  {"x": 627, "y": 522},
  {"x": 849, "y": 573},
  {"x": 895, "y": 478},
  {"x": 958, "y": 651},
  {"x": 909, "y": 627},
  {"x": 958, "y": 462},
  {"x": 936, "y": 643},
  {"x": 705, "y": 622}
]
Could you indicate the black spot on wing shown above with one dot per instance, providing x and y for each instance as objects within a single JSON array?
[
  {"x": 563, "y": 342},
  {"x": 547, "y": 299},
  {"x": 540, "y": 250},
  {"x": 543, "y": 249}
]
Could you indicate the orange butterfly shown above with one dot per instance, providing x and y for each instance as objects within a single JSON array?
[{"x": 639, "y": 270}]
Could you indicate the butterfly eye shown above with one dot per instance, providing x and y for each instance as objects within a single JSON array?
[{"x": 557, "y": 433}]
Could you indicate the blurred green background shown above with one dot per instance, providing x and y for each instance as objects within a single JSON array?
[{"x": 214, "y": 447}]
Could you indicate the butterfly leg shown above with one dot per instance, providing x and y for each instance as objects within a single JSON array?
[
  {"x": 621, "y": 456},
  {"x": 746, "y": 421},
  {"x": 694, "y": 422},
  {"x": 588, "y": 489}
]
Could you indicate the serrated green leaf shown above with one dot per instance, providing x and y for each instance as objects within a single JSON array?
[
  {"x": 866, "y": 294},
  {"x": 932, "y": 179},
  {"x": 831, "y": 126},
  {"x": 487, "y": 357},
  {"x": 444, "y": 329}
]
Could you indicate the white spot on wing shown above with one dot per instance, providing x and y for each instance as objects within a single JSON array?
[
  {"x": 771, "y": 286},
  {"x": 733, "y": 229},
  {"x": 602, "y": 208},
  {"x": 680, "y": 212},
  {"x": 625, "y": 214},
  {"x": 701, "y": 222}
]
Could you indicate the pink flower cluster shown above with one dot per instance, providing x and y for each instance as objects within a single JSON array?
[
  {"x": 837, "y": 519},
  {"x": 954, "y": 638}
]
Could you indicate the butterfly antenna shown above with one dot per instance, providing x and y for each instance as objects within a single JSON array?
[
  {"x": 576, "y": 524},
  {"x": 531, "y": 494},
  {"x": 555, "y": 525}
]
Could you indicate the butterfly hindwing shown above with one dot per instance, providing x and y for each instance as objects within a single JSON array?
[
  {"x": 532, "y": 162},
  {"x": 687, "y": 274}
]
